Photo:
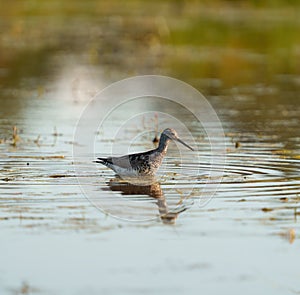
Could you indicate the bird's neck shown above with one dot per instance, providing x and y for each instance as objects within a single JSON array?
[{"x": 163, "y": 143}]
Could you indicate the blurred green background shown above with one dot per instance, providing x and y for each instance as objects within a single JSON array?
[{"x": 214, "y": 45}]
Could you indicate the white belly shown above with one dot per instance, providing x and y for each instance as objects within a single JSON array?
[{"x": 125, "y": 171}]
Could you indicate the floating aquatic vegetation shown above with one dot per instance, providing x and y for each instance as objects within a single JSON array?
[{"x": 289, "y": 235}]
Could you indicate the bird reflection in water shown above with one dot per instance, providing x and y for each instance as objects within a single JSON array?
[{"x": 153, "y": 190}]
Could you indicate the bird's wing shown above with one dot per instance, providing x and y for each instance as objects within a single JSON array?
[
  {"x": 123, "y": 162},
  {"x": 127, "y": 161},
  {"x": 139, "y": 160}
]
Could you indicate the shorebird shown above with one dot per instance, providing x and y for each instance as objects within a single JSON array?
[{"x": 142, "y": 164}]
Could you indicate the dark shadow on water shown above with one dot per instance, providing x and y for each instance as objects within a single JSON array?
[{"x": 153, "y": 190}]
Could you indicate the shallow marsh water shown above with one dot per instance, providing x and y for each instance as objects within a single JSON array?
[{"x": 245, "y": 240}]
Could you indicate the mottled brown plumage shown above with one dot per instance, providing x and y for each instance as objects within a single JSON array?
[{"x": 142, "y": 164}]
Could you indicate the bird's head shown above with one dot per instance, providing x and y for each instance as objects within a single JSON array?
[{"x": 172, "y": 134}]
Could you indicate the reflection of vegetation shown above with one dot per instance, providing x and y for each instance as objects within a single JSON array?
[
  {"x": 27, "y": 63},
  {"x": 237, "y": 46}
]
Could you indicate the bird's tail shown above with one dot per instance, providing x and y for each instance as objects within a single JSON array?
[{"x": 103, "y": 161}]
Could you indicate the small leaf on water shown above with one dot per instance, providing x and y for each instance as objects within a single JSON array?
[{"x": 267, "y": 209}]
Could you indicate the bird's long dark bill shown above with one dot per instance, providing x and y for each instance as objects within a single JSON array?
[{"x": 182, "y": 142}]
